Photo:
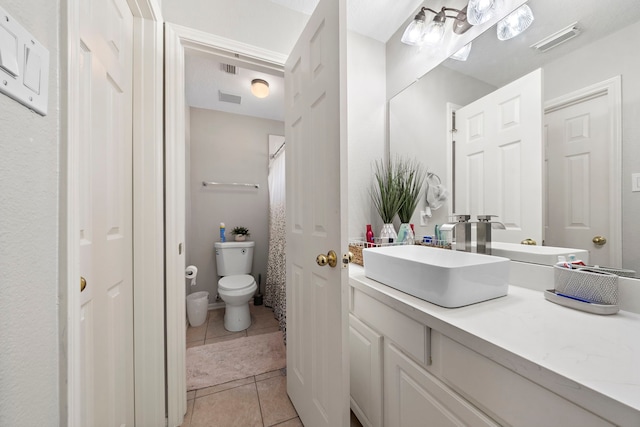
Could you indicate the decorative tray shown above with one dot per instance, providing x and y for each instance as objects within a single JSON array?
[{"x": 577, "y": 304}]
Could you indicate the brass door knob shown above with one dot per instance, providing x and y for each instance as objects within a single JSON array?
[
  {"x": 528, "y": 242},
  {"x": 330, "y": 258},
  {"x": 599, "y": 240},
  {"x": 83, "y": 283}
]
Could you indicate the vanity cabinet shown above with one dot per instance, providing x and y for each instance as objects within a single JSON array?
[{"x": 404, "y": 373}]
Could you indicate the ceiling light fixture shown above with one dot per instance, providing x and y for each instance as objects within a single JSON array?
[
  {"x": 418, "y": 32},
  {"x": 260, "y": 88},
  {"x": 515, "y": 23}
]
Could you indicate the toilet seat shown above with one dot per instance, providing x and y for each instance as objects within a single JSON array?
[{"x": 236, "y": 282}]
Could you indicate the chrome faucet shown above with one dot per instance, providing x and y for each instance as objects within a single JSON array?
[
  {"x": 462, "y": 230},
  {"x": 483, "y": 233}
]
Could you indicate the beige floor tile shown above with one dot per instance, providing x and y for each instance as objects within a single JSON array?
[
  {"x": 216, "y": 315},
  {"x": 291, "y": 423},
  {"x": 217, "y": 330},
  {"x": 196, "y": 334},
  {"x": 191, "y": 395},
  {"x": 187, "y": 417},
  {"x": 226, "y": 337},
  {"x": 222, "y": 387},
  {"x": 261, "y": 322},
  {"x": 235, "y": 407},
  {"x": 268, "y": 375},
  {"x": 274, "y": 402},
  {"x": 251, "y": 332}
]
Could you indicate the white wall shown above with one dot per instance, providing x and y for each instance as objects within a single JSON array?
[
  {"x": 228, "y": 148},
  {"x": 366, "y": 99},
  {"x": 417, "y": 127},
  {"x": 606, "y": 58},
  {"x": 29, "y": 284},
  {"x": 258, "y": 23}
]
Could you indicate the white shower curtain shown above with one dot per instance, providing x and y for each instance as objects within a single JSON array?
[{"x": 275, "y": 290}]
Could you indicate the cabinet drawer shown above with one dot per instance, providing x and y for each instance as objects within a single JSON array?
[
  {"x": 407, "y": 333},
  {"x": 502, "y": 393}
]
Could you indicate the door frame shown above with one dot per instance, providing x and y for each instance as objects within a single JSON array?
[
  {"x": 612, "y": 89},
  {"x": 148, "y": 236},
  {"x": 178, "y": 39}
]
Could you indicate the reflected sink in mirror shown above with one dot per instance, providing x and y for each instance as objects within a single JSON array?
[
  {"x": 444, "y": 277},
  {"x": 546, "y": 255}
]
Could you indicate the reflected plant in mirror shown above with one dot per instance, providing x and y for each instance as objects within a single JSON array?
[{"x": 386, "y": 196}]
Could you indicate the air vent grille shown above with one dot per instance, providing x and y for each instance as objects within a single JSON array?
[
  {"x": 557, "y": 38},
  {"x": 229, "y": 69},
  {"x": 227, "y": 97}
]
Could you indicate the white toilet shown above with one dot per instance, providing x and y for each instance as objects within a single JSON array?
[{"x": 237, "y": 286}]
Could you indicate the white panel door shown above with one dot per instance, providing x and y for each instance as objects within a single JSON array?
[
  {"x": 315, "y": 130},
  {"x": 106, "y": 43},
  {"x": 498, "y": 159},
  {"x": 578, "y": 175}
]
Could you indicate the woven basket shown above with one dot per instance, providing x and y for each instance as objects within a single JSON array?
[
  {"x": 596, "y": 287},
  {"x": 356, "y": 250}
]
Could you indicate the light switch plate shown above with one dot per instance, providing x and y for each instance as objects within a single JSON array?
[
  {"x": 30, "y": 85},
  {"x": 635, "y": 182}
]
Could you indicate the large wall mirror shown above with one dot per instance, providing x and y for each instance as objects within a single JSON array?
[{"x": 600, "y": 63}]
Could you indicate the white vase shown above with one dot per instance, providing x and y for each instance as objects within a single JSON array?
[
  {"x": 388, "y": 234},
  {"x": 241, "y": 237}
]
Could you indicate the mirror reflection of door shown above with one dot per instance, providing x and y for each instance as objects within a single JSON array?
[
  {"x": 498, "y": 158},
  {"x": 578, "y": 137}
]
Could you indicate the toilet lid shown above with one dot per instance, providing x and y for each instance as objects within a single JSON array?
[{"x": 237, "y": 282}]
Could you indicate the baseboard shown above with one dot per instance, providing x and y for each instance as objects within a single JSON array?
[{"x": 216, "y": 305}]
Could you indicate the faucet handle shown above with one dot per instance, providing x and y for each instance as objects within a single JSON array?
[
  {"x": 486, "y": 218},
  {"x": 462, "y": 218}
]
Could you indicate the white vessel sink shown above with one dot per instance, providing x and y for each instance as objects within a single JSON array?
[
  {"x": 547, "y": 255},
  {"x": 440, "y": 276}
]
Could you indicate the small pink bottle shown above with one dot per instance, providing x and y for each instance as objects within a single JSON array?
[{"x": 369, "y": 235}]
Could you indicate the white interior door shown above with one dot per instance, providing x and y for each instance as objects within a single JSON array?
[
  {"x": 498, "y": 159},
  {"x": 577, "y": 139},
  {"x": 106, "y": 43},
  {"x": 315, "y": 128}
]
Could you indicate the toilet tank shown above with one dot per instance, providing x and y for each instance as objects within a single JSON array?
[{"x": 234, "y": 257}]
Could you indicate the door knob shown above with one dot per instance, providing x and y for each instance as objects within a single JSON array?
[
  {"x": 599, "y": 240},
  {"x": 83, "y": 283},
  {"x": 330, "y": 258}
]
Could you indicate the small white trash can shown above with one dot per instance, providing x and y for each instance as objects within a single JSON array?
[{"x": 197, "y": 305}]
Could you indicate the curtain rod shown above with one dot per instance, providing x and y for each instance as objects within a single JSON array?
[{"x": 240, "y": 184}]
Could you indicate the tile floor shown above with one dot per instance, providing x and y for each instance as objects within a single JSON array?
[{"x": 259, "y": 401}]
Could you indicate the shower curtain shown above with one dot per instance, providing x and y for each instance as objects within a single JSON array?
[{"x": 275, "y": 290}]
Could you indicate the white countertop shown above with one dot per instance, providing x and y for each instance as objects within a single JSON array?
[{"x": 596, "y": 352}]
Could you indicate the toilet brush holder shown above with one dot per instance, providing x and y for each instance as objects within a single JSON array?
[{"x": 257, "y": 299}]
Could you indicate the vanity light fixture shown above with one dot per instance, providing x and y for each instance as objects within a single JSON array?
[
  {"x": 418, "y": 32},
  {"x": 515, "y": 23},
  {"x": 260, "y": 88},
  {"x": 480, "y": 11}
]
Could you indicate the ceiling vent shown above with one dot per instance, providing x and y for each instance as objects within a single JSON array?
[
  {"x": 229, "y": 69},
  {"x": 227, "y": 97},
  {"x": 557, "y": 38}
]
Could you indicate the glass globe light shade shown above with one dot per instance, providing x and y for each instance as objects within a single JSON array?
[
  {"x": 480, "y": 11},
  {"x": 515, "y": 23},
  {"x": 415, "y": 30},
  {"x": 434, "y": 33},
  {"x": 259, "y": 88},
  {"x": 463, "y": 53}
]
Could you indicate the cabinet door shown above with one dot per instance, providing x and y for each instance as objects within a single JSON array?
[
  {"x": 414, "y": 397},
  {"x": 365, "y": 346}
]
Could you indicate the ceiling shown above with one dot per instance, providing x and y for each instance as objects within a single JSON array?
[{"x": 377, "y": 19}]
